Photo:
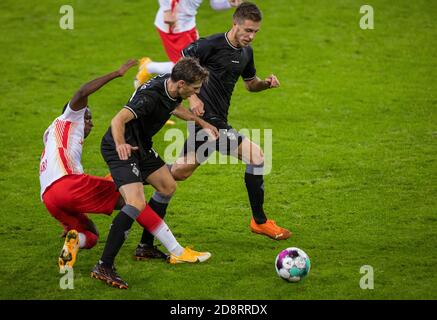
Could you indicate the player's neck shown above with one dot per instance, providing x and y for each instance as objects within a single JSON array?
[
  {"x": 231, "y": 38},
  {"x": 172, "y": 88}
]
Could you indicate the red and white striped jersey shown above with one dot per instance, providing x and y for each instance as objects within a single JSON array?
[{"x": 63, "y": 142}]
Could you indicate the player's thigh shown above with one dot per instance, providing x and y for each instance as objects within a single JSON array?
[
  {"x": 162, "y": 181},
  {"x": 171, "y": 45},
  {"x": 193, "y": 35},
  {"x": 95, "y": 195},
  {"x": 184, "y": 166},
  {"x": 133, "y": 194},
  {"x": 69, "y": 220},
  {"x": 249, "y": 152}
]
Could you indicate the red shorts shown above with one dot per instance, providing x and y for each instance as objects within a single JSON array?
[
  {"x": 71, "y": 197},
  {"x": 174, "y": 43}
]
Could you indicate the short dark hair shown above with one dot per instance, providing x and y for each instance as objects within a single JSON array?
[
  {"x": 247, "y": 11},
  {"x": 189, "y": 70}
]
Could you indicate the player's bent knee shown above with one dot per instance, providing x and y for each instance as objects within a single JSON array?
[
  {"x": 257, "y": 160},
  {"x": 181, "y": 175},
  {"x": 138, "y": 204},
  {"x": 168, "y": 190}
]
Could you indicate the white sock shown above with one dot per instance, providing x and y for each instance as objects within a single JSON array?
[
  {"x": 82, "y": 240},
  {"x": 160, "y": 67},
  {"x": 166, "y": 237}
]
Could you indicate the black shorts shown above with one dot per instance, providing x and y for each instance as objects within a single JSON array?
[
  {"x": 133, "y": 169},
  {"x": 228, "y": 141}
]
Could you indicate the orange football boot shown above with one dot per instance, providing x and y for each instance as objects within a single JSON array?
[
  {"x": 67, "y": 258},
  {"x": 143, "y": 75},
  {"x": 270, "y": 229}
]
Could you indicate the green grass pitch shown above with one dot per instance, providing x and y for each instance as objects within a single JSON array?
[{"x": 354, "y": 151}]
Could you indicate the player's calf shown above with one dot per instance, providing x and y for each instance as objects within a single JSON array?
[{"x": 90, "y": 240}]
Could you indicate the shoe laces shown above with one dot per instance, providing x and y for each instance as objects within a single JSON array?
[
  {"x": 190, "y": 252},
  {"x": 113, "y": 273},
  {"x": 273, "y": 226},
  {"x": 107, "y": 270}
]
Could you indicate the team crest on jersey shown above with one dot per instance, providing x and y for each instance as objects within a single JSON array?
[{"x": 135, "y": 169}]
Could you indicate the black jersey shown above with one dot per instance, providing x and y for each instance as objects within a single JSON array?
[
  {"x": 152, "y": 106},
  {"x": 225, "y": 64}
]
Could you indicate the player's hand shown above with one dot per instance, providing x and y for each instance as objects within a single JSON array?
[
  {"x": 196, "y": 106},
  {"x": 210, "y": 129},
  {"x": 125, "y": 150},
  {"x": 235, "y": 3},
  {"x": 169, "y": 18},
  {"x": 272, "y": 81},
  {"x": 129, "y": 64}
]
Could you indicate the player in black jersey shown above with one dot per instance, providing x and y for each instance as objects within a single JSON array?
[
  {"x": 127, "y": 150},
  {"x": 227, "y": 56}
]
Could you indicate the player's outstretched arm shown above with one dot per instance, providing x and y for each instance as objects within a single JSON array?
[
  {"x": 186, "y": 115},
  {"x": 256, "y": 84},
  {"x": 80, "y": 98}
]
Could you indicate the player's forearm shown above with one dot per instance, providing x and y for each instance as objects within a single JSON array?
[
  {"x": 80, "y": 98},
  {"x": 118, "y": 129},
  {"x": 96, "y": 84},
  {"x": 186, "y": 115},
  {"x": 257, "y": 85},
  {"x": 193, "y": 99}
]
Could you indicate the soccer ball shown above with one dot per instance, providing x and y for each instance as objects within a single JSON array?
[{"x": 292, "y": 264}]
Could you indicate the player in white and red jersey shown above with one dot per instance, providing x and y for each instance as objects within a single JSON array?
[
  {"x": 67, "y": 192},
  {"x": 175, "y": 22}
]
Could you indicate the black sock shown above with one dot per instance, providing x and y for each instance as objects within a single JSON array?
[
  {"x": 117, "y": 234},
  {"x": 255, "y": 189},
  {"x": 161, "y": 209}
]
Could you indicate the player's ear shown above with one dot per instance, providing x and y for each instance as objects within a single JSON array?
[
  {"x": 181, "y": 83},
  {"x": 237, "y": 21}
]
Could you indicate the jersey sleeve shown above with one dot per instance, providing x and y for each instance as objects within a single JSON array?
[
  {"x": 140, "y": 105},
  {"x": 200, "y": 49},
  {"x": 249, "y": 71},
  {"x": 73, "y": 116}
]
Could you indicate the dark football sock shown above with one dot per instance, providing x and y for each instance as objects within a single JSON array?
[
  {"x": 255, "y": 190},
  {"x": 118, "y": 233},
  {"x": 159, "y": 204}
]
